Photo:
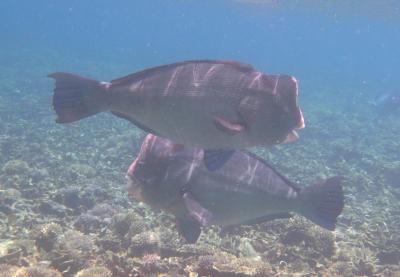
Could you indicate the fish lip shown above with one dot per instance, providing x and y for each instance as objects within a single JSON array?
[
  {"x": 300, "y": 124},
  {"x": 131, "y": 169},
  {"x": 290, "y": 94}
]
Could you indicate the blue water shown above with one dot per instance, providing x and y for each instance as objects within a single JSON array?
[
  {"x": 344, "y": 56},
  {"x": 307, "y": 42}
]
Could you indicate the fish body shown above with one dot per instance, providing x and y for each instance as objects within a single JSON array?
[
  {"x": 207, "y": 104},
  {"x": 246, "y": 189},
  {"x": 387, "y": 102}
]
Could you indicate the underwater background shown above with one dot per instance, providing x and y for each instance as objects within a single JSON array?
[{"x": 64, "y": 207}]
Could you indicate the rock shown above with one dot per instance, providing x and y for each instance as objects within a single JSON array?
[
  {"x": 389, "y": 257},
  {"x": 83, "y": 170},
  {"x": 69, "y": 196},
  {"x": 224, "y": 264},
  {"x": 16, "y": 167},
  {"x": 145, "y": 243},
  {"x": 88, "y": 223},
  {"x": 6, "y": 209},
  {"x": 121, "y": 223},
  {"x": 52, "y": 208},
  {"x": 38, "y": 175},
  {"x": 152, "y": 263},
  {"x": 104, "y": 211},
  {"x": 96, "y": 271},
  {"x": 129, "y": 224},
  {"x": 36, "y": 272},
  {"x": 7, "y": 270},
  {"x": 10, "y": 195}
]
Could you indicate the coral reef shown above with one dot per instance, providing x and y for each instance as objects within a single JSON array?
[
  {"x": 36, "y": 271},
  {"x": 13, "y": 271},
  {"x": 230, "y": 265},
  {"x": 46, "y": 236},
  {"x": 144, "y": 243}
]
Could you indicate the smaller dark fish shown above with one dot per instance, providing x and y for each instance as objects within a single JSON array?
[
  {"x": 387, "y": 102},
  {"x": 246, "y": 190}
]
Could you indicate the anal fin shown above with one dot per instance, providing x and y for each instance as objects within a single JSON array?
[{"x": 189, "y": 229}]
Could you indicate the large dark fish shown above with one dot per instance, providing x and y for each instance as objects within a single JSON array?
[
  {"x": 245, "y": 190},
  {"x": 209, "y": 104}
]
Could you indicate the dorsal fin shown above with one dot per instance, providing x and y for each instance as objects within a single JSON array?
[
  {"x": 261, "y": 160},
  {"x": 140, "y": 75}
]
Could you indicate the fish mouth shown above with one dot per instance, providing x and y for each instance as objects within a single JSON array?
[
  {"x": 131, "y": 169},
  {"x": 290, "y": 137},
  {"x": 295, "y": 134},
  {"x": 300, "y": 123}
]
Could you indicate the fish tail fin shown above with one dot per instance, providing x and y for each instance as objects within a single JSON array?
[
  {"x": 77, "y": 97},
  {"x": 324, "y": 202}
]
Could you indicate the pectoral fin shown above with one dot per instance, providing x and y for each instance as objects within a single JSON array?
[
  {"x": 228, "y": 127},
  {"x": 215, "y": 159},
  {"x": 197, "y": 212},
  {"x": 189, "y": 229}
]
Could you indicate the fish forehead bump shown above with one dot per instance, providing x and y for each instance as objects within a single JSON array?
[
  {"x": 287, "y": 86},
  {"x": 211, "y": 70},
  {"x": 256, "y": 81},
  {"x": 155, "y": 144},
  {"x": 153, "y": 150},
  {"x": 161, "y": 150},
  {"x": 296, "y": 83}
]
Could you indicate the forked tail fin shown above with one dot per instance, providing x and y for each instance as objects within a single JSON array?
[
  {"x": 77, "y": 97},
  {"x": 324, "y": 202}
]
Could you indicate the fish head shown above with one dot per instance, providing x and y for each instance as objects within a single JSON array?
[
  {"x": 282, "y": 115},
  {"x": 286, "y": 112},
  {"x": 160, "y": 171}
]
